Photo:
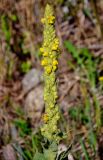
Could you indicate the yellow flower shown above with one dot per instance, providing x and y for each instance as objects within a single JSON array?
[
  {"x": 51, "y": 56},
  {"x": 45, "y": 54},
  {"x": 54, "y": 68},
  {"x": 45, "y": 44},
  {"x": 44, "y": 62},
  {"x": 43, "y": 20},
  {"x": 56, "y": 41},
  {"x": 51, "y": 19},
  {"x": 41, "y": 49},
  {"x": 101, "y": 78},
  {"x": 48, "y": 69},
  {"x": 45, "y": 117},
  {"x": 55, "y": 62},
  {"x": 55, "y": 46}
]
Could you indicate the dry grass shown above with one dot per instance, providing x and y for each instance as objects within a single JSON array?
[{"x": 26, "y": 34}]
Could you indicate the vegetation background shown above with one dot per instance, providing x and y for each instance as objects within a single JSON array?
[{"x": 79, "y": 76}]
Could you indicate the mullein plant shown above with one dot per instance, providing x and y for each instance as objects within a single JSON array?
[{"x": 50, "y": 52}]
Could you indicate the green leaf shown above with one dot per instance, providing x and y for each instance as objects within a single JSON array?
[
  {"x": 84, "y": 150},
  {"x": 5, "y": 28},
  {"x": 92, "y": 140},
  {"x": 25, "y": 66},
  {"x": 71, "y": 48},
  {"x": 49, "y": 154},
  {"x": 23, "y": 126},
  {"x": 39, "y": 156},
  {"x": 13, "y": 17},
  {"x": 88, "y": 13}
]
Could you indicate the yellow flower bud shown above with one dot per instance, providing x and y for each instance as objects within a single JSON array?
[
  {"x": 55, "y": 62},
  {"x": 48, "y": 69},
  {"x": 45, "y": 54},
  {"x": 54, "y": 68},
  {"x": 55, "y": 47},
  {"x": 54, "y": 128},
  {"x": 44, "y": 62},
  {"x": 41, "y": 49},
  {"x": 52, "y": 56},
  {"x": 101, "y": 78},
  {"x": 45, "y": 118},
  {"x": 51, "y": 19},
  {"x": 43, "y": 20},
  {"x": 56, "y": 41},
  {"x": 45, "y": 44}
]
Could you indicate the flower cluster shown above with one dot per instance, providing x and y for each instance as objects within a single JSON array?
[
  {"x": 49, "y": 60},
  {"x": 49, "y": 20},
  {"x": 50, "y": 52}
]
